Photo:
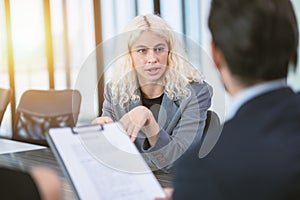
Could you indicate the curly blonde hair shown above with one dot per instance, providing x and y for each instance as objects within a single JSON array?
[{"x": 179, "y": 73}]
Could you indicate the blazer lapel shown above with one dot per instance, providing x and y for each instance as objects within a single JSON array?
[{"x": 167, "y": 113}]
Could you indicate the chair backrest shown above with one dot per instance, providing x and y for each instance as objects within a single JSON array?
[
  {"x": 39, "y": 110},
  {"x": 211, "y": 133},
  {"x": 5, "y": 96}
]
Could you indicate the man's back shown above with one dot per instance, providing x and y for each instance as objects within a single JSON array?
[{"x": 256, "y": 157}]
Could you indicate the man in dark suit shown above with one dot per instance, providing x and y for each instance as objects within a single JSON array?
[{"x": 258, "y": 153}]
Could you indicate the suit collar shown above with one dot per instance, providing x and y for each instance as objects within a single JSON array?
[
  {"x": 244, "y": 96},
  {"x": 167, "y": 111},
  {"x": 265, "y": 100}
]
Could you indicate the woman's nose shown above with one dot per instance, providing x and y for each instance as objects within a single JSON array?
[{"x": 151, "y": 57}]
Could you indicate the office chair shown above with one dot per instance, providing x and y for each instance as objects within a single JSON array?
[
  {"x": 40, "y": 110},
  {"x": 5, "y": 96},
  {"x": 211, "y": 133}
]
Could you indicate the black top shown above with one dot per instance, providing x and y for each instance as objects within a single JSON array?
[{"x": 152, "y": 104}]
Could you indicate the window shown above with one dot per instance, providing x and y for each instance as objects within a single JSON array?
[{"x": 71, "y": 40}]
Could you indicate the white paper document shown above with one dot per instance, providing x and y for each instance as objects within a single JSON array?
[{"x": 102, "y": 163}]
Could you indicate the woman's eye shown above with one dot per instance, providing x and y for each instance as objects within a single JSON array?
[
  {"x": 159, "y": 49},
  {"x": 141, "y": 51}
]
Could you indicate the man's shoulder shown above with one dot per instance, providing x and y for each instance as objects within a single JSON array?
[
  {"x": 276, "y": 110},
  {"x": 274, "y": 101}
]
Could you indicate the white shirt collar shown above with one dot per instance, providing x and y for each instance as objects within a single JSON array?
[{"x": 249, "y": 93}]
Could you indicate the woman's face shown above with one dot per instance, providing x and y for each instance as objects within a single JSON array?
[{"x": 150, "y": 55}]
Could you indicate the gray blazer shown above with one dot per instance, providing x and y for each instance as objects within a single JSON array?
[{"x": 181, "y": 122}]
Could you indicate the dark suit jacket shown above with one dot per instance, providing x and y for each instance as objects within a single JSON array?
[
  {"x": 17, "y": 185},
  {"x": 256, "y": 157}
]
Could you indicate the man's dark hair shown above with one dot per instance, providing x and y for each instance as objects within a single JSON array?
[{"x": 258, "y": 38}]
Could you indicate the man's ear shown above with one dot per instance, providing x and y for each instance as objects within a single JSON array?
[{"x": 217, "y": 56}]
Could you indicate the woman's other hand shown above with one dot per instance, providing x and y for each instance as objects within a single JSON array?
[{"x": 102, "y": 120}]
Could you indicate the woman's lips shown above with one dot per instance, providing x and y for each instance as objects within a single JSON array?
[{"x": 153, "y": 71}]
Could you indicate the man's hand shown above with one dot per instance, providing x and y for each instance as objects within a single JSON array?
[{"x": 168, "y": 193}]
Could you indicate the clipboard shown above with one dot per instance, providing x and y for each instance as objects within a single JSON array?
[{"x": 101, "y": 162}]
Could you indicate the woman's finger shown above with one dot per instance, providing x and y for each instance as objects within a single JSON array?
[
  {"x": 129, "y": 130},
  {"x": 134, "y": 134}
]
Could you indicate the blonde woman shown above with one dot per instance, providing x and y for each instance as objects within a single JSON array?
[{"x": 158, "y": 96}]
